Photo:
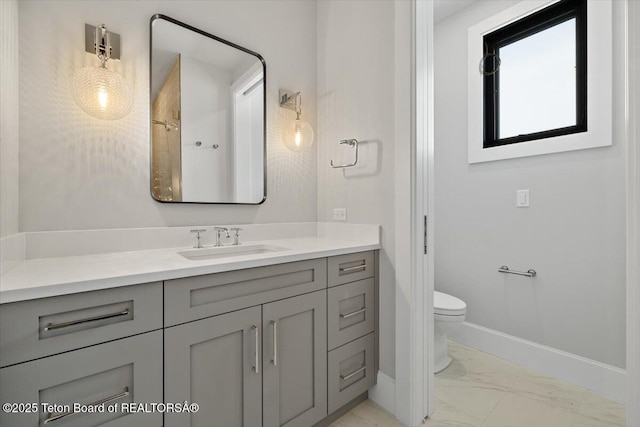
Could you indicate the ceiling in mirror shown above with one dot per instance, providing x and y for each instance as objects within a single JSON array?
[{"x": 207, "y": 117}]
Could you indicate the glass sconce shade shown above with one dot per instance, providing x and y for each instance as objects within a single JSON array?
[
  {"x": 298, "y": 135},
  {"x": 101, "y": 93}
]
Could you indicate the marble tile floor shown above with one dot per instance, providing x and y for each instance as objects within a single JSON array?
[{"x": 481, "y": 390}]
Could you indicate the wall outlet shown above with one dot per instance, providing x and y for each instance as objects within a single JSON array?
[
  {"x": 339, "y": 214},
  {"x": 522, "y": 198}
]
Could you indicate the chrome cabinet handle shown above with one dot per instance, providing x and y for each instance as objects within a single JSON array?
[
  {"x": 54, "y": 326},
  {"x": 353, "y": 313},
  {"x": 354, "y": 373},
  {"x": 357, "y": 267},
  {"x": 256, "y": 368},
  {"x": 51, "y": 418},
  {"x": 274, "y": 359}
]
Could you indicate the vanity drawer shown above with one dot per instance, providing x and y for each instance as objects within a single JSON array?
[
  {"x": 198, "y": 297},
  {"x": 350, "y": 311},
  {"x": 351, "y": 371},
  {"x": 350, "y": 267},
  {"x": 121, "y": 371},
  {"x": 42, "y": 327}
]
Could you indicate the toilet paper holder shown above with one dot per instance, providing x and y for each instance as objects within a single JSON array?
[{"x": 351, "y": 143}]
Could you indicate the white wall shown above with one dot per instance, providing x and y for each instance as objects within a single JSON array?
[
  {"x": 8, "y": 118},
  {"x": 356, "y": 100},
  {"x": 77, "y": 172},
  {"x": 573, "y": 234},
  {"x": 206, "y": 117},
  {"x": 633, "y": 220}
]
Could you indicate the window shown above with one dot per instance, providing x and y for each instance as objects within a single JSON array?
[{"x": 537, "y": 88}]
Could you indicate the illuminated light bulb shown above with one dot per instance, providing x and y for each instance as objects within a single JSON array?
[
  {"x": 103, "y": 98},
  {"x": 101, "y": 93},
  {"x": 298, "y": 135}
]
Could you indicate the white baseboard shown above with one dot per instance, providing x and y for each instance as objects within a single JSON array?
[
  {"x": 384, "y": 393},
  {"x": 603, "y": 379}
]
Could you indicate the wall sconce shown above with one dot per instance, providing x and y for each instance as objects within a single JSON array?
[
  {"x": 297, "y": 135},
  {"x": 98, "y": 91}
]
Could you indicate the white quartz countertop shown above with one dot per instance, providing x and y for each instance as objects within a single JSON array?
[{"x": 53, "y": 276}]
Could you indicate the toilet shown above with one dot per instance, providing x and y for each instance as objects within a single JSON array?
[{"x": 449, "y": 313}]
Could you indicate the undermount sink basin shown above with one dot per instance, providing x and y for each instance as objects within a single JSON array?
[{"x": 228, "y": 251}]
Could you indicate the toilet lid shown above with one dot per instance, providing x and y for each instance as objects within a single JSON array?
[{"x": 448, "y": 305}]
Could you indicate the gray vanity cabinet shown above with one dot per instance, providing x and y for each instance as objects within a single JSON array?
[
  {"x": 215, "y": 362},
  {"x": 286, "y": 345},
  {"x": 295, "y": 361}
]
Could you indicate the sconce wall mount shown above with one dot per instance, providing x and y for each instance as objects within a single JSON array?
[
  {"x": 98, "y": 91},
  {"x": 297, "y": 135},
  {"x": 288, "y": 99},
  {"x": 101, "y": 42}
]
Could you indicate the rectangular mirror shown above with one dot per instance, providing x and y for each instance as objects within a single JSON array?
[{"x": 208, "y": 117}]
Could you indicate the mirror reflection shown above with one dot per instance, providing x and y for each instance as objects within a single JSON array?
[{"x": 207, "y": 117}]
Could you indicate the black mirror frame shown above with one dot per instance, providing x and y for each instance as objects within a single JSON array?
[{"x": 264, "y": 119}]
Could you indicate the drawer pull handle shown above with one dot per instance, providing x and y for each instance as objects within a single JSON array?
[
  {"x": 353, "y": 374},
  {"x": 353, "y": 313},
  {"x": 357, "y": 267},
  {"x": 54, "y": 326},
  {"x": 62, "y": 415},
  {"x": 256, "y": 368},
  {"x": 274, "y": 359}
]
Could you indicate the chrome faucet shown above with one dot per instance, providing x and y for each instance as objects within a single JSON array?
[
  {"x": 198, "y": 244},
  {"x": 219, "y": 231}
]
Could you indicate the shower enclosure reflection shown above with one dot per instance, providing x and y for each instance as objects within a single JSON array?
[{"x": 207, "y": 114}]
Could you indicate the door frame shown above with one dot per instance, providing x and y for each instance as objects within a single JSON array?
[
  {"x": 425, "y": 189},
  {"x": 415, "y": 384},
  {"x": 632, "y": 132},
  {"x": 414, "y": 199}
]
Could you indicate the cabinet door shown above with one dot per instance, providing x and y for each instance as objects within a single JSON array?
[
  {"x": 120, "y": 372},
  {"x": 295, "y": 361},
  {"x": 215, "y": 362}
]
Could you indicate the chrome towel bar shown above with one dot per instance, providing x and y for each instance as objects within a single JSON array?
[{"x": 529, "y": 273}]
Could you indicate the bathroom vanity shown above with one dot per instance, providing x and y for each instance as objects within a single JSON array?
[{"x": 281, "y": 344}]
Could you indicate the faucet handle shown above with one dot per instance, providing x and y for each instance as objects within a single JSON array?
[
  {"x": 197, "y": 244},
  {"x": 236, "y": 235}
]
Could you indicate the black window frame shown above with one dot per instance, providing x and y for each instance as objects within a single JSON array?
[{"x": 544, "y": 19}]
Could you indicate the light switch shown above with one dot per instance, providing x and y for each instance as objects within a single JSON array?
[{"x": 522, "y": 198}]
